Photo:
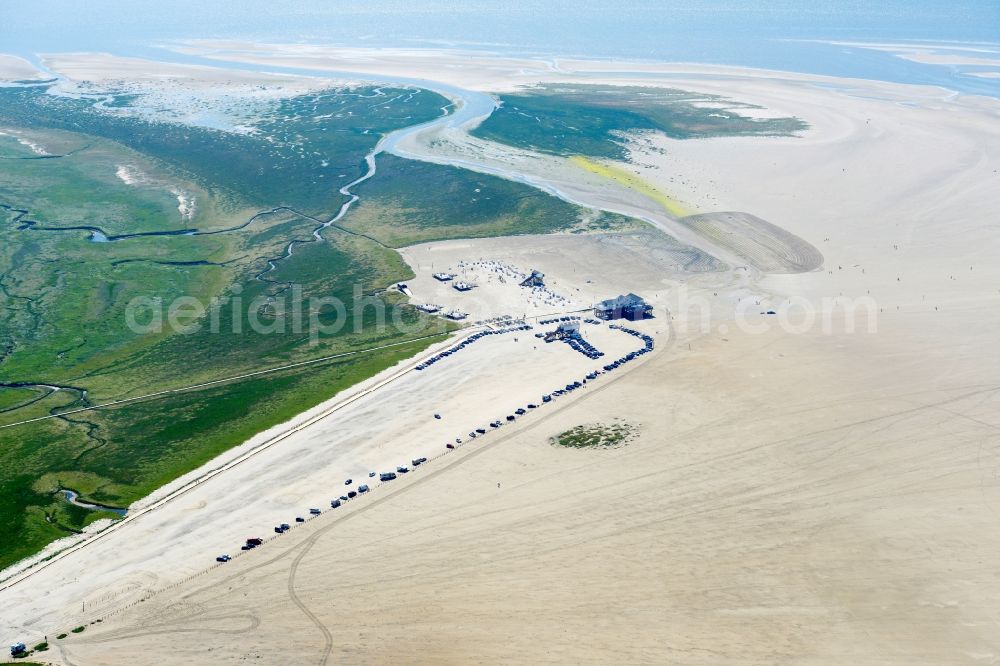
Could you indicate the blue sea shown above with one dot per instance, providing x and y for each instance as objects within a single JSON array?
[{"x": 791, "y": 35}]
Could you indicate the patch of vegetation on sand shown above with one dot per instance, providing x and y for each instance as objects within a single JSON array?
[
  {"x": 596, "y": 436},
  {"x": 595, "y": 120},
  {"x": 412, "y": 202}
]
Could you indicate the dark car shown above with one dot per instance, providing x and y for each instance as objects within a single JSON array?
[
  {"x": 416, "y": 462},
  {"x": 352, "y": 494},
  {"x": 314, "y": 512},
  {"x": 511, "y": 417},
  {"x": 387, "y": 476},
  {"x": 481, "y": 431},
  {"x": 223, "y": 558},
  {"x": 343, "y": 498},
  {"x": 520, "y": 410},
  {"x": 254, "y": 542},
  {"x": 402, "y": 470},
  {"x": 335, "y": 504},
  {"x": 449, "y": 445},
  {"x": 348, "y": 482},
  {"x": 362, "y": 488},
  {"x": 300, "y": 519},
  {"x": 371, "y": 475}
]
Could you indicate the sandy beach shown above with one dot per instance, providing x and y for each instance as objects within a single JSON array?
[
  {"x": 105, "y": 68},
  {"x": 13, "y": 68},
  {"x": 795, "y": 493}
]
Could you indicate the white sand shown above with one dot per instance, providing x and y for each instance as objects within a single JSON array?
[
  {"x": 812, "y": 498},
  {"x": 14, "y": 68},
  {"x": 105, "y": 69},
  {"x": 474, "y": 70}
]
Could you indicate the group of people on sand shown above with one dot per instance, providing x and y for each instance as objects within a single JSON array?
[{"x": 492, "y": 270}]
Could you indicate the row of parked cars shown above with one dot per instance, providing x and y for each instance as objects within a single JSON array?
[
  {"x": 631, "y": 356},
  {"x": 478, "y": 432},
  {"x": 648, "y": 347},
  {"x": 470, "y": 340},
  {"x": 579, "y": 344},
  {"x": 253, "y": 542},
  {"x": 334, "y": 504},
  {"x": 558, "y": 320},
  {"x": 566, "y": 389},
  {"x": 250, "y": 544}
]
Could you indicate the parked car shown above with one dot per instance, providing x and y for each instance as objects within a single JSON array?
[
  {"x": 352, "y": 494},
  {"x": 387, "y": 476},
  {"x": 223, "y": 558},
  {"x": 335, "y": 504},
  {"x": 362, "y": 488},
  {"x": 300, "y": 519},
  {"x": 402, "y": 470},
  {"x": 371, "y": 475},
  {"x": 315, "y": 512},
  {"x": 348, "y": 482}
]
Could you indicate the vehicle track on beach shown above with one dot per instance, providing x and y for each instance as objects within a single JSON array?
[
  {"x": 301, "y": 549},
  {"x": 311, "y": 541}
]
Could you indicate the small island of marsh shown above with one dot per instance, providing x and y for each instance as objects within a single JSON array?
[{"x": 596, "y": 436}]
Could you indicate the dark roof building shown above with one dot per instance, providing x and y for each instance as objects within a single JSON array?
[{"x": 629, "y": 307}]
